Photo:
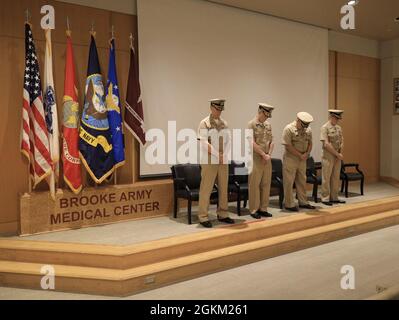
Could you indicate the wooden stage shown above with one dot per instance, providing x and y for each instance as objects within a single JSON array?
[{"x": 124, "y": 270}]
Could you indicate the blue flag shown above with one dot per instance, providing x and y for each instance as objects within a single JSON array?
[
  {"x": 95, "y": 144},
  {"x": 114, "y": 110}
]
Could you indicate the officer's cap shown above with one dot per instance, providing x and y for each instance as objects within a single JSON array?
[
  {"x": 336, "y": 113},
  {"x": 305, "y": 118},
  {"x": 218, "y": 104},
  {"x": 266, "y": 108}
]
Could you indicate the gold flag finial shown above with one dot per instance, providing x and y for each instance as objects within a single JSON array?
[
  {"x": 27, "y": 17},
  {"x": 92, "y": 31},
  {"x": 131, "y": 41},
  {"x": 68, "y": 31}
]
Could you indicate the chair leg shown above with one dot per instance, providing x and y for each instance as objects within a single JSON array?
[
  {"x": 175, "y": 207},
  {"x": 239, "y": 203},
  {"x": 362, "y": 187},
  {"x": 189, "y": 211},
  {"x": 315, "y": 187},
  {"x": 342, "y": 186},
  {"x": 346, "y": 189},
  {"x": 245, "y": 202},
  {"x": 281, "y": 198}
]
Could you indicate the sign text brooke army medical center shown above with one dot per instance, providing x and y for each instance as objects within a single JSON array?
[{"x": 103, "y": 205}]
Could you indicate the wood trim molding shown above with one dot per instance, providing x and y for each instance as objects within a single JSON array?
[{"x": 392, "y": 181}]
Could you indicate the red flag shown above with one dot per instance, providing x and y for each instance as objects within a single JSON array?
[
  {"x": 70, "y": 148},
  {"x": 134, "y": 117},
  {"x": 34, "y": 140}
]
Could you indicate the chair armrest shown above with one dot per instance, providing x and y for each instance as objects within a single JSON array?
[
  {"x": 181, "y": 183},
  {"x": 317, "y": 165},
  {"x": 351, "y": 165},
  {"x": 359, "y": 171},
  {"x": 278, "y": 180},
  {"x": 348, "y": 165},
  {"x": 314, "y": 176}
]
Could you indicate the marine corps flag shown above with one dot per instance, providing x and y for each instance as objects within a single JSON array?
[
  {"x": 134, "y": 117},
  {"x": 70, "y": 143},
  {"x": 95, "y": 138},
  {"x": 114, "y": 109}
]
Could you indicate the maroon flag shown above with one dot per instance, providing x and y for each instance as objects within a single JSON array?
[{"x": 134, "y": 118}]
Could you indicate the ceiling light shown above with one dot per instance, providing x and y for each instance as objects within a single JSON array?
[{"x": 353, "y": 2}]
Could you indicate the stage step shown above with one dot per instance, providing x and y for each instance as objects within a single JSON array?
[
  {"x": 116, "y": 282},
  {"x": 131, "y": 256}
]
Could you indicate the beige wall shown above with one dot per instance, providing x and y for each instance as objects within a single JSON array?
[
  {"x": 123, "y": 6},
  {"x": 389, "y": 121},
  {"x": 341, "y": 42}
]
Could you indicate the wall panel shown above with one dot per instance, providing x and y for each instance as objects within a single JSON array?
[{"x": 358, "y": 93}]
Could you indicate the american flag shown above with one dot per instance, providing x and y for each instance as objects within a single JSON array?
[{"x": 34, "y": 138}]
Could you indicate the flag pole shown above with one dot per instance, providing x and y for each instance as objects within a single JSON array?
[
  {"x": 110, "y": 43},
  {"x": 29, "y": 180},
  {"x": 29, "y": 177}
]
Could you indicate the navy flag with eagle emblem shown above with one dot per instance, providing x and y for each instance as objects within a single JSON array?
[
  {"x": 114, "y": 109},
  {"x": 95, "y": 144}
]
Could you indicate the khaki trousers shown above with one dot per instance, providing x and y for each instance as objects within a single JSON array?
[
  {"x": 294, "y": 170},
  {"x": 259, "y": 184},
  {"x": 209, "y": 172},
  {"x": 331, "y": 170}
]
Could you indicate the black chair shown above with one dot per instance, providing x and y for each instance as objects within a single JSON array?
[
  {"x": 312, "y": 177},
  {"x": 277, "y": 179},
  {"x": 186, "y": 184},
  {"x": 238, "y": 183},
  {"x": 351, "y": 176}
]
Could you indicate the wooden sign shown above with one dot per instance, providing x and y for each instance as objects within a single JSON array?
[{"x": 94, "y": 206}]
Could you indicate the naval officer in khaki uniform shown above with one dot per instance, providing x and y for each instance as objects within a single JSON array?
[
  {"x": 261, "y": 175},
  {"x": 215, "y": 166},
  {"x": 333, "y": 144},
  {"x": 297, "y": 139}
]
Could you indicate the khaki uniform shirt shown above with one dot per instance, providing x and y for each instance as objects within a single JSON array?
[
  {"x": 207, "y": 125},
  {"x": 333, "y": 135},
  {"x": 299, "y": 139},
  {"x": 262, "y": 133}
]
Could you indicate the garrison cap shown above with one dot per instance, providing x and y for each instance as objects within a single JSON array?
[
  {"x": 305, "y": 118},
  {"x": 218, "y": 103},
  {"x": 336, "y": 113}
]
